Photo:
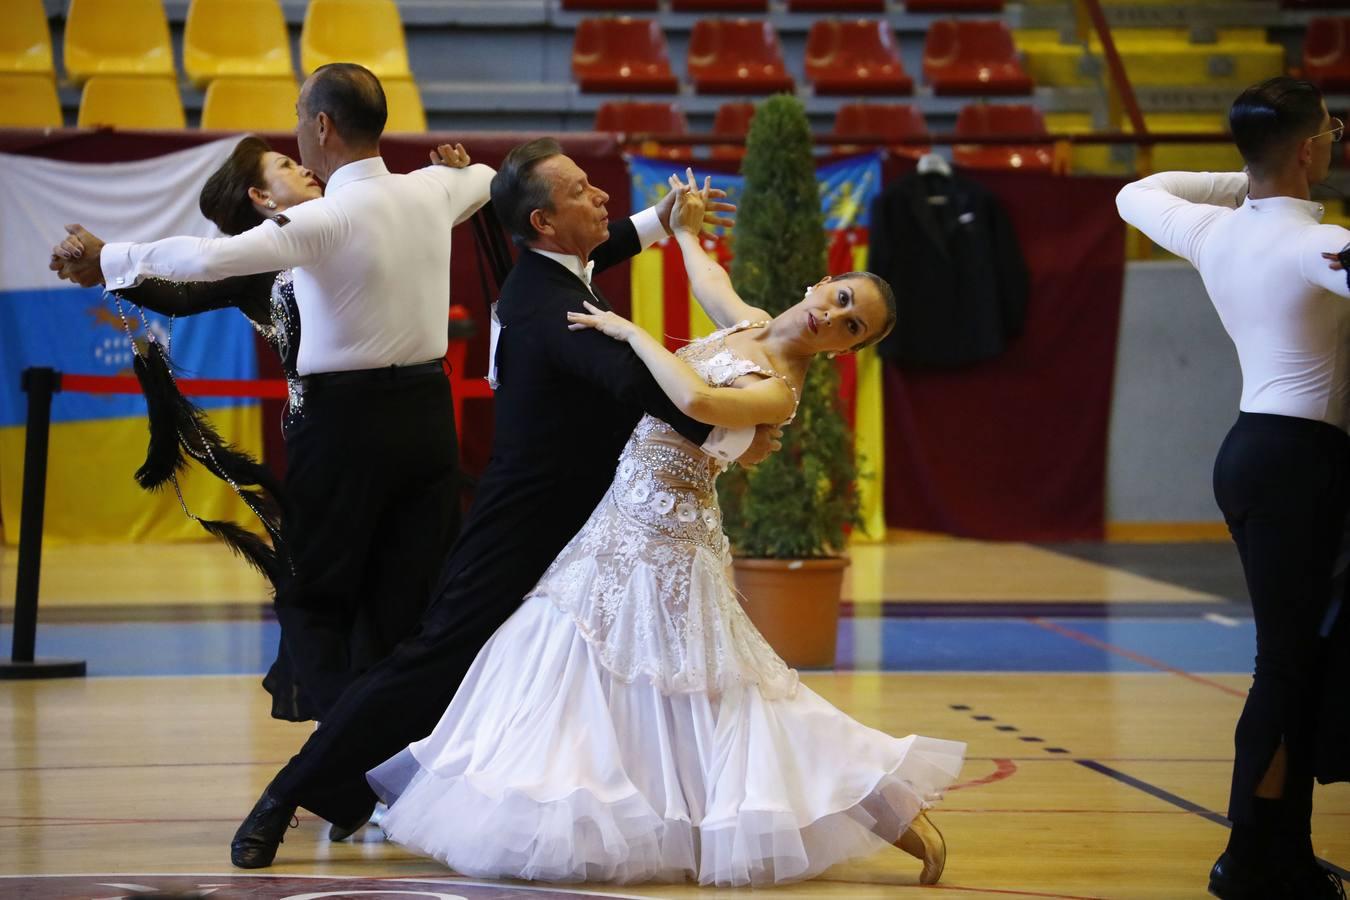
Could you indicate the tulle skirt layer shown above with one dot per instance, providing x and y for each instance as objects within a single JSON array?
[{"x": 548, "y": 767}]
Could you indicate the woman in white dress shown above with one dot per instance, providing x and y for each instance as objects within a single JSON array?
[{"x": 628, "y": 723}]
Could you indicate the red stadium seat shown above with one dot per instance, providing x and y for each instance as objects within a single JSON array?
[
  {"x": 736, "y": 56},
  {"x": 611, "y": 5},
  {"x": 953, "y": 6},
  {"x": 635, "y": 117},
  {"x": 887, "y": 120},
  {"x": 836, "y": 6},
  {"x": 622, "y": 55},
  {"x": 855, "y": 57},
  {"x": 1326, "y": 54},
  {"x": 733, "y": 6},
  {"x": 973, "y": 57},
  {"x": 980, "y": 119},
  {"x": 732, "y": 119}
]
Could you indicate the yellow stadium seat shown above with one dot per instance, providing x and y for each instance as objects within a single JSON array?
[
  {"x": 1106, "y": 159},
  {"x": 29, "y": 101},
  {"x": 231, "y": 38},
  {"x": 1156, "y": 57},
  {"x": 117, "y": 37},
  {"x": 250, "y": 104},
  {"x": 25, "y": 43},
  {"x": 368, "y": 32},
  {"x": 130, "y": 102},
  {"x": 405, "y": 106}
]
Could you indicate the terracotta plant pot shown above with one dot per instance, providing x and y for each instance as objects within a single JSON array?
[{"x": 795, "y": 605}]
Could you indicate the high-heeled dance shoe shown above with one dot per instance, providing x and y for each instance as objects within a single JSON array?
[{"x": 924, "y": 842}]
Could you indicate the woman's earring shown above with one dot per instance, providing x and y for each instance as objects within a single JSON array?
[{"x": 270, "y": 204}]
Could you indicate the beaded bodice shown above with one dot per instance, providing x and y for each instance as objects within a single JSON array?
[
  {"x": 283, "y": 333},
  {"x": 666, "y": 482}
]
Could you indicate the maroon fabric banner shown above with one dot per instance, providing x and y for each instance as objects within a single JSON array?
[{"x": 1015, "y": 448}]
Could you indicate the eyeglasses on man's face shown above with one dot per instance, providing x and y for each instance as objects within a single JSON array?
[{"x": 1337, "y": 131}]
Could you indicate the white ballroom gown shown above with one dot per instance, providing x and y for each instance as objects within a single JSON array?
[{"x": 628, "y": 723}]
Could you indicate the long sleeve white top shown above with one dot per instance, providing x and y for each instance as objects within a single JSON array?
[
  {"x": 1285, "y": 310},
  {"x": 371, "y": 262}
]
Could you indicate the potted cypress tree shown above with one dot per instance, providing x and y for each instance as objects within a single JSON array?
[{"x": 787, "y": 518}]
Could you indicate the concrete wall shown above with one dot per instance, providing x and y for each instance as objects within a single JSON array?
[{"x": 1176, "y": 395}]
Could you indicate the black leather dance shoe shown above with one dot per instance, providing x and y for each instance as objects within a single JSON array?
[{"x": 255, "y": 843}]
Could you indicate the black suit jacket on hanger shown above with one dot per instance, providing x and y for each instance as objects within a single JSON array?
[{"x": 948, "y": 249}]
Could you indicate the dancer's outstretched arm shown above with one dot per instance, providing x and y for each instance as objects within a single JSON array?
[
  {"x": 766, "y": 402},
  {"x": 708, "y": 280},
  {"x": 1176, "y": 209}
]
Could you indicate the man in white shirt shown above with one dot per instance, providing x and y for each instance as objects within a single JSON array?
[
  {"x": 566, "y": 405},
  {"x": 1282, "y": 477},
  {"x": 372, "y": 474}
]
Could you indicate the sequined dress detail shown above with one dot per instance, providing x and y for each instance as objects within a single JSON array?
[{"x": 628, "y": 723}]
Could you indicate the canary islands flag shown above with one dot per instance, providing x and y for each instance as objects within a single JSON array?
[{"x": 98, "y": 441}]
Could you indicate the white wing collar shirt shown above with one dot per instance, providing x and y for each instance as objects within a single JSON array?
[
  {"x": 723, "y": 443},
  {"x": 371, "y": 262},
  {"x": 1284, "y": 308}
]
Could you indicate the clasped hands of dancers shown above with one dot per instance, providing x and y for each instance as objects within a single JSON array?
[{"x": 579, "y": 694}]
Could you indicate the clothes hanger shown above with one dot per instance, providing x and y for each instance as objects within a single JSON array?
[{"x": 934, "y": 164}]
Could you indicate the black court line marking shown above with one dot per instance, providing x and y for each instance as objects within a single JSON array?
[{"x": 1180, "y": 802}]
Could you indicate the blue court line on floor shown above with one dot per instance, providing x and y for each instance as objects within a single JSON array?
[
  {"x": 911, "y": 645},
  {"x": 1181, "y": 802}
]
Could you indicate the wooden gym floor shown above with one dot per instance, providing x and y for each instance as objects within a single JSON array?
[{"x": 1096, "y": 685}]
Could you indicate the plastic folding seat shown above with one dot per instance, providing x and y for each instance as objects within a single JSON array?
[
  {"x": 1156, "y": 57},
  {"x": 638, "y": 117},
  {"x": 886, "y": 120},
  {"x": 250, "y": 104},
  {"x": 979, "y": 119},
  {"x": 645, "y": 118},
  {"x": 368, "y": 32},
  {"x": 732, "y": 120},
  {"x": 117, "y": 37},
  {"x": 29, "y": 100},
  {"x": 611, "y": 5},
  {"x": 1326, "y": 53},
  {"x": 973, "y": 57},
  {"x": 836, "y": 6},
  {"x": 25, "y": 42},
  {"x": 623, "y": 55},
  {"x": 729, "y": 6},
  {"x": 855, "y": 57},
  {"x": 232, "y": 38},
  {"x": 953, "y": 6},
  {"x": 127, "y": 101},
  {"x": 736, "y": 56},
  {"x": 404, "y": 100}
]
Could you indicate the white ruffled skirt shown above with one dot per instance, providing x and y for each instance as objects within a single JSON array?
[{"x": 548, "y": 767}]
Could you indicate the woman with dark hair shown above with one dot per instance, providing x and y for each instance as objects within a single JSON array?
[
  {"x": 254, "y": 184},
  {"x": 654, "y": 735}
]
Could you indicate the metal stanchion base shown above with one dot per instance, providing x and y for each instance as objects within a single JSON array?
[{"x": 42, "y": 668}]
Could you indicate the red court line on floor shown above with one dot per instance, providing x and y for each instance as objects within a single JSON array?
[
  {"x": 986, "y": 890},
  {"x": 1149, "y": 661},
  {"x": 1003, "y": 769}
]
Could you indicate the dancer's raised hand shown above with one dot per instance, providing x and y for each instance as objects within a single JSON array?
[
  {"x": 691, "y": 205},
  {"x": 717, "y": 212},
  {"x": 452, "y": 155},
  {"x": 1336, "y": 261},
  {"x": 78, "y": 257},
  {"x": 608, "y": 323}
]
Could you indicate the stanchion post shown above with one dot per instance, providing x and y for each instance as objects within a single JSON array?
[{"x": 39, "y": 384}]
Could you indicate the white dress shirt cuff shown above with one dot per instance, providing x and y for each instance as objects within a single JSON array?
[
  {"x": 649, "y": 227},
  {"x": 728, "y": 443},
  {"x": 496, "y": 335},
  {"x": 119, "y": 270}
]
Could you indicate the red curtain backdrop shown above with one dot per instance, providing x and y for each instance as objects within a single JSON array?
[{"x": 1015, "y": 448}]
